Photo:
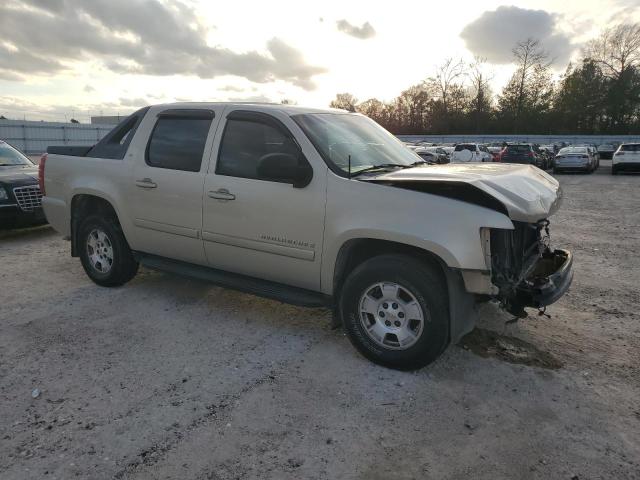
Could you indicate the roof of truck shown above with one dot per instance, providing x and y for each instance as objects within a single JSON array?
[{"x": 289, "y": 109}]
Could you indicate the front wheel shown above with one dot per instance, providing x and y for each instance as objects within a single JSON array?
[
  {"x": 104, "y": 252},
  {"x": 395, "y": 311}
]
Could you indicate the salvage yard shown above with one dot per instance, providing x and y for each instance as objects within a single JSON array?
[{"x": 173, "y": 378}]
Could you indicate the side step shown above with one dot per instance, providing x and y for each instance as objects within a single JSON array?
[{"x": 235, "y": 281}]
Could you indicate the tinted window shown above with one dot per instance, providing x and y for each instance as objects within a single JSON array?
[
  {"x": 465, "y": 146},
  {"x": 178, "y": 143},
  {"x": 245, "y": 142},
  {"x": 630, "y": 147},
  {"x": 518, "y": 148}
]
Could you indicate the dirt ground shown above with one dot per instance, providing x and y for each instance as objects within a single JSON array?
[{"x": 174, "y": 378}]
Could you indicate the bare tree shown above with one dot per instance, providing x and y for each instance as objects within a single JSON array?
[
  {"x": 616, "y": 50},
  {"x": 529, "y": 55},
  {"x": 374, "y": 109},
  {"x": 345, "y": 101},
  {"x": 480, "y": 91},
  {"x": 447, "y": 74}
]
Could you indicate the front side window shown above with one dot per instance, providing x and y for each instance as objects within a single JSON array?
[
  {"x": 178, "y": 143},
  {"x": 247, "y": 141}
]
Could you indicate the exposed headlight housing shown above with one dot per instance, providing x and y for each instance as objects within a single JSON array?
[{"x": 3, "y": 194}]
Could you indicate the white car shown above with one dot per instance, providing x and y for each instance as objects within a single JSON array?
[
  {"x": 627, "y": 157},
  {"x": 320, "y": 208},
  {"x": 433, "y": 154},
  {"x": 470, "y": 152}
]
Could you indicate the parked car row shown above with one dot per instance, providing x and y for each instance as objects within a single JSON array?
[{"x": 559, "y": 157}]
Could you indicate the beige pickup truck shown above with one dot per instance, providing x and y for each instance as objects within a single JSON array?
[{"x": 315, "y": 208}]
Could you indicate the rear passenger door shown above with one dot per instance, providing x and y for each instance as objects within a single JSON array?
[
  {"x": 258, "y": 227},
  {"x": 167, "y": 181}
]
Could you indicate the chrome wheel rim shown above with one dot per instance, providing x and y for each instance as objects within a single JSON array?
[
  {"x": 391, "y": 316},
  {"x": 99, "y": 251}
]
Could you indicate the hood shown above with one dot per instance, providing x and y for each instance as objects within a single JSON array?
[
  {"x": 18, "y": 175},
  {"x": 525, "y": 192}
]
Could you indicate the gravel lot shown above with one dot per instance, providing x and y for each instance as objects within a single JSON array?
[{"x": 174, "y": 378}]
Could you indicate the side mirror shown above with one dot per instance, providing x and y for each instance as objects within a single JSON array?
[{"x": 283, "y": 167}]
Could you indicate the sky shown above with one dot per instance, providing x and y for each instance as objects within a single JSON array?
[{"x": 75, "y": 58}]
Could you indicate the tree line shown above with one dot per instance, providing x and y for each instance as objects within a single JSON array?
[{"x": 600, "y": 94}]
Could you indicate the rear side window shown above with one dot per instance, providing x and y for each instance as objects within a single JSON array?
[
  {"x": 178, "y": 143},
  {"x": 630, "y": 147},
  {"x": 247, "y": 140}
]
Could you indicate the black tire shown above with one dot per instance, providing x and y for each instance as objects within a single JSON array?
[
  {"x": 123, "y": 266},
  {"x": 421, "y": 280},
  {"x": 614, "y": 171}
]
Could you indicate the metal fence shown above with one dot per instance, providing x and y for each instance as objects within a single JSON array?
[
  {"x": 33, "y": 138},
  {"x": 539, "y": 139}
]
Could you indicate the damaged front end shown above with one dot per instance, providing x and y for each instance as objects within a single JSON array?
[{"x": 527, "y": 272}]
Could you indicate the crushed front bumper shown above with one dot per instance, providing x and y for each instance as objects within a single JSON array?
[{"x": 548, "y": 281}]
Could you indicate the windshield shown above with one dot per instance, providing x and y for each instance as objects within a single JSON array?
[
  {"x": 338, "y": 136},
  {"x": 11, "y": 156},
  {"x": 570, "y": 150},
  {"x": 518, "y": 148}
]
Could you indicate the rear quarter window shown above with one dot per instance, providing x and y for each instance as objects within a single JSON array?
[{"x": 115, "y": 144}]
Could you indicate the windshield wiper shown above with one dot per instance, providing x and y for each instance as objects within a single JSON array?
[
  {"x": 377, "y": 167},
  {"x": 389, "y": 165}
]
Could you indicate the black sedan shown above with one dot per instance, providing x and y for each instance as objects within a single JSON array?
[{"x": 20, "y": 197}]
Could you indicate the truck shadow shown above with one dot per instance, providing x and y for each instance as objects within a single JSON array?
[
  {"x": 490, "y": 344},
  {"x": 28, "y": 233}
]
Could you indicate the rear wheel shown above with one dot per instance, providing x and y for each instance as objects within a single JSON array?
[
  {"x": 614, "y": 170},
  {"x": 104, "y": 252},
  {"x": 395, "y": 311}
]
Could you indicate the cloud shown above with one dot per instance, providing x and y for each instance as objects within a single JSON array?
[
  {"x": 18, "y": 108},
  {"x": 494, "y": 34},
  {"x": 364, "y": 32},
  {"x": 131, "y": 36},
  {"x": 133, "y": 102},
  {"x": 231, "y": 88},
  {"x": 252, "y": 99},
  {"x": 89, "y": 89}
]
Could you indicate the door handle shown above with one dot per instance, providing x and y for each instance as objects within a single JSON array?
[
  {"x": 146, "y": 183},
  {"x": 221, "y": 194}
]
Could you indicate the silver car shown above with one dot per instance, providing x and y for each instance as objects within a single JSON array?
[{"x": 574, "y": 159}]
